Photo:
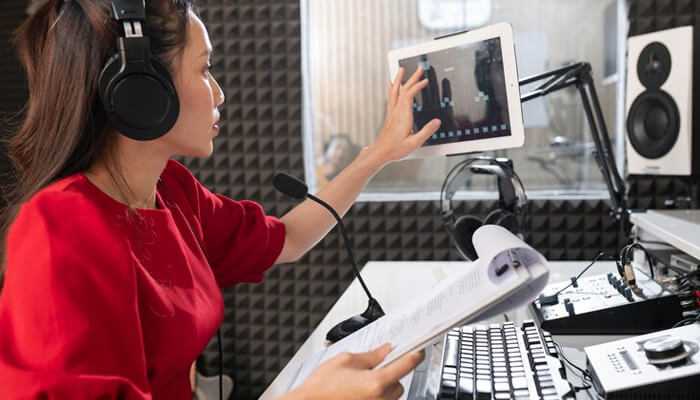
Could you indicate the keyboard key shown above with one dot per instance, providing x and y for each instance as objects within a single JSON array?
[
  {"x": 483, "y": 388},
  {"x": 451, "y": 352},
  {"x": 466, "y": 388},
  {"x": 543, "y": 374},
  {"x": 501, "y": 387},
  {"x": 448, "y": 389},
  {"x": 548, "y": 391},
  {"x": 547, "y": 382},
  {"x": 519, "y": 383}
]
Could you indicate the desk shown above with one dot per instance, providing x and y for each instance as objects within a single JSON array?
[
  {"x": 393, "y": 283},
  {"x": 678, "y": 228}
]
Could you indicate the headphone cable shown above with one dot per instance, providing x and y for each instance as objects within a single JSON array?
[{"x": 221, "y": 364}]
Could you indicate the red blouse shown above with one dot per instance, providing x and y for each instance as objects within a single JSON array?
[{"x": 99, "y": 304}]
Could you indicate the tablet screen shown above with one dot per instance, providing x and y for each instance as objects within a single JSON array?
[{"x": 466, "y": 91}]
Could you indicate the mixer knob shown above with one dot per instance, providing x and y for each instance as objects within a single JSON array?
[{"x": 665, "y": 350}]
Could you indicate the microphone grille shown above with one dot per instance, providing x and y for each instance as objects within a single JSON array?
[{"x": 290, "y": 185}]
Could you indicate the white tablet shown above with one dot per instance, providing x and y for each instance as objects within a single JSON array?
[{"x": 473, "y": 89}]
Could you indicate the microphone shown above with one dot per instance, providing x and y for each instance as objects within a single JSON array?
[{"x": 297, "y": 189}]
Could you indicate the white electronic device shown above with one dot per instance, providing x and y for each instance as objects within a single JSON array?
[
  {"x": 659, "y": 365},
  {"x": 473, "y": 89}
]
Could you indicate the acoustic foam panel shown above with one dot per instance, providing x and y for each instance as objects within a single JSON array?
[{"x": 257, "y": 60}]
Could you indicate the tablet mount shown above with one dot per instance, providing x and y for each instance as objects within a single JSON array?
[{"x": 580, "y": 75}]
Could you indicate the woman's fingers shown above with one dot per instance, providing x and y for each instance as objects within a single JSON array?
[
  {"x": 417, "y": 75},
  {"x": 394, "y": 89},
  {"x": 411, "y": 92},
  {"x": 371, "y": 359},
  {"x": 393, "y": 392},
  {"x": 407, "y": 91},
  {"x": 401, "y": 367},
  {"x": 425, "y": 133}
]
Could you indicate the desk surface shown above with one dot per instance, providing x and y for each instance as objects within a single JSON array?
[
  {"x": 393, "y": 283},
  {"x": 678, "y": 228}
]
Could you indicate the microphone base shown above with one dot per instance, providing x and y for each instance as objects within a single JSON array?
[{"x": 372, "y": 313}]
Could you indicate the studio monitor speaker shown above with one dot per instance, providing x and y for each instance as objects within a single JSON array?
[{"x": 659, "y": 104}]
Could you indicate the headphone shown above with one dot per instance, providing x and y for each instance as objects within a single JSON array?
[
  {"x": 136, "y": 89},
  {"x": 512, "y": 200}
]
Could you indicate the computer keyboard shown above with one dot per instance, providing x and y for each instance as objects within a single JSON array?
[{"x": 502, "y": 361}]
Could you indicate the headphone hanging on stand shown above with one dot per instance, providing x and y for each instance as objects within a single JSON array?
[
  {"x": 512, "y": 201},
  {"x": 136, "y": 89}
]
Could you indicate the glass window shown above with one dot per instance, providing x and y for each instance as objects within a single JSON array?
[{"x": 345, "y": 45}]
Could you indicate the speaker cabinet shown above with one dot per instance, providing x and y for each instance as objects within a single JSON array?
[{"x": 659, "y": 103}]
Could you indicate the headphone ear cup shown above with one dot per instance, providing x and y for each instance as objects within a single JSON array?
[
  {"x": 510, "y": 221},
  {"x": 109, "y": 71},
  {"x": 503, "y": 218},
  {"x": 463, "y": 232},
  {"x": 494, "y": 217},
  {"x": 141, "y": 104}
]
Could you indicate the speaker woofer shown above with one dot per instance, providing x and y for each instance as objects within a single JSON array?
[{"x": 653, "y": 124}]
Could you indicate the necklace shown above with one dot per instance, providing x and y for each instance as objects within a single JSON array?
[{"x": 118, "y": 194}]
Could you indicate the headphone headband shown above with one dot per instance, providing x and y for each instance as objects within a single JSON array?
[
  {"x": 129, "y": 10},
  {"x": 511, "y": 192}
]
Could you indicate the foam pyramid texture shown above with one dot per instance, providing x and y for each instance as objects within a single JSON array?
[
  {"x": 257, "y": 53},
  {"x": 257, "y": 60}
]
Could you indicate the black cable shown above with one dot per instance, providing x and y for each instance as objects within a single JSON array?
[
  {"x": 686, "y": 321},
  {"x": 595, "y": 260},
  {"x": 586, "y": 375},
  {"x": 626, "y": 256},
  {"x": 588, "y": 378},
  {"x": 580, "y": 388},
  {"x": 221, "y": 364},
  {"x": 687, "y": 276}
]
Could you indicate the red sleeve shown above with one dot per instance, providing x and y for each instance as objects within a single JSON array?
[
  {"x": 240, "y": 241},
  {"x": 68, "y": 309}
]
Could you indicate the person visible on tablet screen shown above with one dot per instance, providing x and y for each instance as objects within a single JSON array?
[
  {"x": 435, "y": 100},
  {"x": 114, "y": 254},
  {"x": 490, "y": 81},
  {"x": 338, "y": 153}
]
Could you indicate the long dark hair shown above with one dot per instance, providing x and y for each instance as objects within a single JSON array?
[{"x": 62, "y": 48}]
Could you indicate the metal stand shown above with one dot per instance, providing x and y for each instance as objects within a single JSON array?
[{"x": 580, "y": 75}]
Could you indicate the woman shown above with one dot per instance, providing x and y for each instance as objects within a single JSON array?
[{"x": 114, "y": 253}]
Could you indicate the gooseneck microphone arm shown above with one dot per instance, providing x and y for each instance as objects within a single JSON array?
[
  {"x": 297, "y": 189},
  {"x": 348, "y": 245}
]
